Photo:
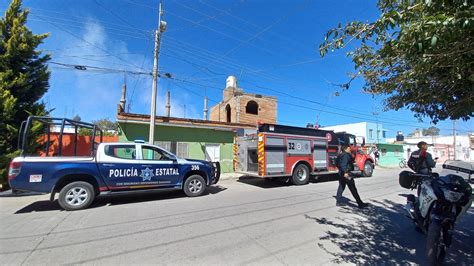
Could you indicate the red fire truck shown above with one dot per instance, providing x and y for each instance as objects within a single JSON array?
[{"x": 294, "y": 152}]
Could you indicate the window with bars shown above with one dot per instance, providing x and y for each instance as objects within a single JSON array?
[
  {"x": 181, "y": 149},
  {"x": 166, "y": 145}
]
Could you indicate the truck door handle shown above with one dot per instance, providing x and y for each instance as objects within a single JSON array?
[{"x": 108, "y": 164}]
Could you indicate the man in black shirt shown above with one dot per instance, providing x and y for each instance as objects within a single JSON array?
[{"x": 345, "y": 163}]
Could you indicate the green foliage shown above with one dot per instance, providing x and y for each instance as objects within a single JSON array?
[
  {"x": 420, "y": 54},
  {"x": 23, "y": 80},
  {"x": 108, "y": 128},
  {"x": 106, "y": 125},
  {"x": 431, "y": 131}
]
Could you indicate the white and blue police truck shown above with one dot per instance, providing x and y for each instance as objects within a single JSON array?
[{"x": 111, "y": 168}]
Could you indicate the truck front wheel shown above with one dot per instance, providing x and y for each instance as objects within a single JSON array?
[
  {"x": 368, "y": 169},
  {"x": 194, "y": 186},
  {"x": 300, "y": 175},
  {"x": 76, "y": 196}
]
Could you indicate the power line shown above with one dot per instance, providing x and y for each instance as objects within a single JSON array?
[
  {"x": 204, "y": 26},
  {"x": 81, "y": 17},
  {"x": 69, "y": 22},
  {"x": 347, "y": 114},
  {"x": 357, "y": 111},
  {"x": 113, "y": 14},
  {"x": 95, "y": 68},
  {"x": 130, "y": 99},
  {"x": 191, "y": 91},
  {"x": 286, "y": 16},
  {"x": 281, "y": 36},
  {"x": 84, "y": 40}
]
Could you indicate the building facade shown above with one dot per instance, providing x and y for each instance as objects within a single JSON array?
[
  {"x": 187, "y": 138},
  {"x": 240, "y": 107},
  {"x": 372, "y": 132},
  {"x": 390, "y": 154},
  {"x": 442, "y": 146}
]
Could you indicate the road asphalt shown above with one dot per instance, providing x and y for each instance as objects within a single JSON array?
[{"x": 246, "y": 221}]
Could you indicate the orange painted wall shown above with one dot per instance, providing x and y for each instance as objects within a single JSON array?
[{"x": 83, "y": 144}]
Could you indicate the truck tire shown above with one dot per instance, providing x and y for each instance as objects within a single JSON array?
[
  {"x": 76, "y": 196},
  {"x": 435, "y": 249},
  {"x": 194, "y": 186},
  {"x": 368, "y": 169},
  {"x": 300, "y": 175}
]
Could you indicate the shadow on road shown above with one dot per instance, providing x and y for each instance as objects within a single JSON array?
[
  {"x": 276, "y": 182},
  {"x": 115, "y": 199},
  {"x": 381, "y": 234},
  {"x": 264, "y": 182}
]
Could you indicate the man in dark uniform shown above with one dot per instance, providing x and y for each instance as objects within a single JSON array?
[
  {"x": 421, "y": 160},
  {"x": 346, "y": 165}
]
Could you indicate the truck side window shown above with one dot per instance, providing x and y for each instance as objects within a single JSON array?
[
  {"x": 121, "y": 151},
  {"x": 151, "y": 153}
]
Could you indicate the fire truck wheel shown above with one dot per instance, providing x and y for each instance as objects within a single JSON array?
[
  {"x": 300, "y": 175},
  {"x": 368, "y": 169}
]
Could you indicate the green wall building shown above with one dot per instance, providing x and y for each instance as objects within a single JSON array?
[
  {"x": 187, "y": 138},
  {"x": 390, "y": 154}
]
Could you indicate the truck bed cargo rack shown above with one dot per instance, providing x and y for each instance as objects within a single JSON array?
[{"x": 63, "y": 123}]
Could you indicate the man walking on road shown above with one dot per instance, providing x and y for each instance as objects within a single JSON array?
[{"x": 345, "y": 163}]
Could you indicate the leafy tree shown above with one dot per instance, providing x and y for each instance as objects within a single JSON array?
[
  {"x": 76, "y": 118},
  {"x": 431, "y": 131},
  {"x": 420, "y": 54},
  {"x": 108, "y": 127},
  {"x": 24, "y": 79}
]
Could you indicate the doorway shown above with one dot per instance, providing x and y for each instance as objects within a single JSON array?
[{"x": 213, "y": 152}]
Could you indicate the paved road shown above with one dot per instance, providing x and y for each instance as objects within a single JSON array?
[{"x": 250, "y": 221}]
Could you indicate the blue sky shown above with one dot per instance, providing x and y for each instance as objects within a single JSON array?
[{"x": 271, "y": 46}]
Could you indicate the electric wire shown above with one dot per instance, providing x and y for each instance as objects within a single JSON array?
[{"x": 84, "y": 40}]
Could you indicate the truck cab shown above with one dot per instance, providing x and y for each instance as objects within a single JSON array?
[{"x": 363, "y": 162}]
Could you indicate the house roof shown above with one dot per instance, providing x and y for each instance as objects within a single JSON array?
[{"x": 184, "y": 122}]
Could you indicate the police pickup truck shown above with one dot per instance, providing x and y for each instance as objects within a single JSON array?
[{"x": 116, "y": 167}]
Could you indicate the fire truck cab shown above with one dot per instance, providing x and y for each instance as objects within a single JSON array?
[
  {"x": 363, "y": 163},
  {"x": 294, "y": 152}
]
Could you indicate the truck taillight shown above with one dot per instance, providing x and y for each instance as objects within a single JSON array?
[{"x": 14, "y": 169}]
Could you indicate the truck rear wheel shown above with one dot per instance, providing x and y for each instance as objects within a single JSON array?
[
  {"x": 194, "y": 186},
  {"x": 368, "y": 169},
  {"x": 76, "y": 196},
  {"x": 300, "y": 175}
]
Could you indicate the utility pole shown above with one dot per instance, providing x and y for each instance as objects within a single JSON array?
[
  {"x": 377, "y": 124},
  {"x": 158, "y": 33},
  {"x": 454, "y": 138}
]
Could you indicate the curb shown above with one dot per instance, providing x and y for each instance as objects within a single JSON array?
[{"x": 230, "y": 176}]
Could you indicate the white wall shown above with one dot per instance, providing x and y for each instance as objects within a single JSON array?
[
  {"x": 463, "y": 150},
  {"x": 358, "y": 129}
]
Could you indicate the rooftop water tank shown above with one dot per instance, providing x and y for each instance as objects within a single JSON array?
[{"x": 231, "y": 82}]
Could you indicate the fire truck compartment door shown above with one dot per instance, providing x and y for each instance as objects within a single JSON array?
[
  {"x": 247, "y": 155},
  {"x": 320, "y": 158},
  {"x": 275, "y": 155}
]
